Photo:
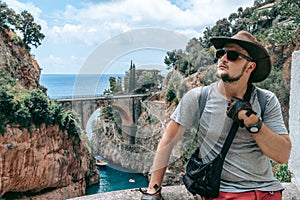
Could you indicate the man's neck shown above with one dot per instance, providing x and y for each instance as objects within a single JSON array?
[{"x": 228, "y": 90}]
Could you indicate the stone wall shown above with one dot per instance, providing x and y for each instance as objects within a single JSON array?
[
  {"x": 177, "y": 193},
  {"x": 294, "y": 119}
]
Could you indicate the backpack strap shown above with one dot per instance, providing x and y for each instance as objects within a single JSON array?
[
  {"x": 261, "y": 96},
  {"x": 204, "y": 94},
  {"x": 202, "y": 102}
]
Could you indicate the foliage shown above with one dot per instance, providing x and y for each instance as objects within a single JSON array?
[
  {"x": 142, "y": 80},
  {"x": 25, "y": 108},
  {"x": 132, "y": 78},
  {"x": 30, "y": 30},
  {"x": 281, "y": 172},
  {"x": 107, "y": 113},
  {"x": 38, "y": 106},
  {"x": 174, "y": 84},
  {"x": 24, "y": 23},
  {"x": 284, "y": 34},
  {"x": 277, "y": 84},
  {"x": 208, "y": 75},
  {"x": 170, "y": 94},
  {"x": 183, "y": 88},
  {"x": 6, "y": 16},
  {"x": 115, "y": 85},
  {"x": 290, "y": 10},
  {"x": 191, "y": 60},
  {"x": 69, "y": 123},
  {"x": 285, "y": 30}
]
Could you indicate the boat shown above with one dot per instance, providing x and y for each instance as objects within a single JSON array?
[
  {"x": 131, "y": 180},
  {"x": 101, "y": 163}
]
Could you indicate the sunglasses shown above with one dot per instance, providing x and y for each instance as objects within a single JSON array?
[{"x": 231, "y": 55}]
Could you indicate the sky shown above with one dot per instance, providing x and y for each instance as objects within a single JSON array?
[{"x": 103, "y": 36}]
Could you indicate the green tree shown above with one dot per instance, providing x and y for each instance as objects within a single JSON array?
[
  {"x": 242, "y": 20},
  {"x": 23, "y": 22},
  {"x": 7, "y": 16},
  {"x": 132, "y": 79},
  {"x": 38, "y": 105},
  {"x": 286, "y": 29},
  {"x": 197, "y": 56},
  {"x": 107, "y": 113},
  {"x": 170, "y": 59},
  {"x": 170, "y": 94},
  {"x": 31, "y": 31},
  {"x": 115, "y": 85},
  {"x": 112, "y": 83}
]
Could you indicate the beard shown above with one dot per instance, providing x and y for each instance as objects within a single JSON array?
[{"x": 230, "y": 79}]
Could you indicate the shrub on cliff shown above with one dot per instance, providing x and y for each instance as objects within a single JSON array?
[{"x": 25, "y": 108}]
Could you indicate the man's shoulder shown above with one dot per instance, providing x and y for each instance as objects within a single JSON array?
[
  {"x": 267, "y": 93},
  {"x": 198, "y": 90}
]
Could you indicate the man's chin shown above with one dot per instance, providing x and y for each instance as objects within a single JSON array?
[{"x": 220, "y": 74}]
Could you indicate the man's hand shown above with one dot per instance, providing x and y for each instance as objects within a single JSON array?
[{"x": 235, "y": 106}]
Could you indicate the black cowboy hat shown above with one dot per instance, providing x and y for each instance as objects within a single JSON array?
[{"x": 255, "y": 50}]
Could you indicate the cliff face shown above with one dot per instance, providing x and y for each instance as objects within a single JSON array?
[
  {"x": 138, "y": 157},
  {"x": 45, "y": 162},
  {"x": 18, "y": 63}
]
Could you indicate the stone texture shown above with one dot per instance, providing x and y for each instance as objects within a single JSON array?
[
  {"x": 46, "y": 161},
  {"x": 175, "y": 192},
  {"x": 294, "y": 120},
  {"x": 17, "y": 62}
]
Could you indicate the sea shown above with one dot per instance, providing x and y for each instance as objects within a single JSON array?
[
  {"x": 112, "y": 176},
  {"x": 73, "y": 85}
]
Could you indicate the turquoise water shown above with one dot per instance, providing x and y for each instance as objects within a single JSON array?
[{"x": 112, "y": 177}]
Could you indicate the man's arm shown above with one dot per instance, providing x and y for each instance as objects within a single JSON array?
[
  {"x": 275, "y": 146},
  {"x": 172, "y": 134}
]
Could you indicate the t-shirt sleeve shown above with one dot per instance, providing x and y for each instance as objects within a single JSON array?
[
  {"x": 273, "y": 115},
  {"x": 187, "y": 112}
]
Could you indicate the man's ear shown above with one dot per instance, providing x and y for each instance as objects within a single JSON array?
[{"x": 251, "y": 67}]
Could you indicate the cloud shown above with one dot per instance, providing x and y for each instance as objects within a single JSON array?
[
  {"x": 61, "y": 63},
  {"x": 96, "y": 22},
  {"x": 93, "y": 22},
  {"x": 30, "y": 7},
  {"x": 78, "y": 28}
]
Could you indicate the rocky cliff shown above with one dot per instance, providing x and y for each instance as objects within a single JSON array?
[
  {"x": 17, "y": 62},
  {"x": 109, "y": 141},
  {"x": 43, "y": 161},
  {"x": 47, "y": 162}
]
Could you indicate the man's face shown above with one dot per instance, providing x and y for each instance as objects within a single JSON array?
[{"x": 232, "y": 70}]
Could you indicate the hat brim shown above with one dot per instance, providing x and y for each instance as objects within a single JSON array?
[{"x": 256, "y": 51}]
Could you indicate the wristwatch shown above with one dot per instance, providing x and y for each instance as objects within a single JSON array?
[{"x": 255, "y": 128}]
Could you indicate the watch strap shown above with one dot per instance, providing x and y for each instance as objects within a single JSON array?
[{"x": 255, "y": 128}]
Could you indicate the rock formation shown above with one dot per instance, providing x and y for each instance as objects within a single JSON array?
[
  {"x": 43, "y": 162},
  {"x": 47, "y": 161}
]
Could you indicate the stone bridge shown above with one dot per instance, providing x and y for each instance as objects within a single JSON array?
[{"x": 128, "y": 107}]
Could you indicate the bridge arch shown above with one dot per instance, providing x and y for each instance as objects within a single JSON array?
[
  {"x": 123, "y": 112},
  {"x": 128, "y": 106}
]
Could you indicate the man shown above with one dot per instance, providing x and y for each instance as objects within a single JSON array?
[{"x": 247, "y": 172}]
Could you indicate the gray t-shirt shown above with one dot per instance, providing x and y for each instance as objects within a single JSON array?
[{"x": 245, "y": 168}]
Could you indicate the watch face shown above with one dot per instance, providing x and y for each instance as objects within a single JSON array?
[{"x": 254, "y": 129}]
